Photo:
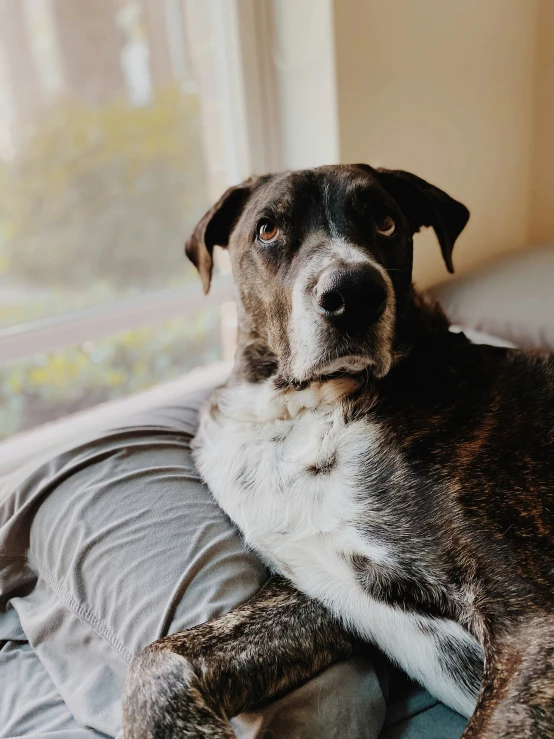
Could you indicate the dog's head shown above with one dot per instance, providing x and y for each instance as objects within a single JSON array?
[{"x": 322, "y": 259}]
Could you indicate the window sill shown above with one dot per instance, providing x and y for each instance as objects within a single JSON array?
[{"x": 32, "y": 446}]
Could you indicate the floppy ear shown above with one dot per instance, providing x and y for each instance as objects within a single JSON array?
[
  {"x": 425, "y": 205},
  {"x": 215, "y": 228}
]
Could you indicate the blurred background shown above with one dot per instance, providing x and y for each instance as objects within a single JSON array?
[{"x": 122, "y": 120}]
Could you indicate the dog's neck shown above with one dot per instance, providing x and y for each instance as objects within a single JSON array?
[{"x": 420, "y": 322}]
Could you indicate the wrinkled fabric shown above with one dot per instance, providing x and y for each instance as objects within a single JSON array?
[{"x": 511, "y": 298}]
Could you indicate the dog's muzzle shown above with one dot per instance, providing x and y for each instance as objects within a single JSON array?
[{"x": 351, "y": 299}]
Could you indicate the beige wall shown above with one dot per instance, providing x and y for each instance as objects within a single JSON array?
[
  {"x": 541, "y": 201},
  {"x": 445, "y": 89}
]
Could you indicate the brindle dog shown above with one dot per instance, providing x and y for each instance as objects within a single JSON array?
[{"x": 397, "y": 479}]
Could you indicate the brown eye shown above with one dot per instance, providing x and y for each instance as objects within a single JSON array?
[
  {"x": 268, "y": 232},
  {"x": 385, "y": 225}
]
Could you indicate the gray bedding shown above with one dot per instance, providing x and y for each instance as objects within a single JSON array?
[{"x": 116, "y": 542}]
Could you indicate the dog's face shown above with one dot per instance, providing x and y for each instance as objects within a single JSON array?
[{"x": 322, "y": 259}]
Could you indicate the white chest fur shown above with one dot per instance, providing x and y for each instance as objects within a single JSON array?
[
  {"x": 281, "y": 478},
  {"x": 286, "y": 469}
]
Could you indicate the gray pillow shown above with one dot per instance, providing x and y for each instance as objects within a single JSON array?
[
  {"x": 512, "y": 298},
  {"x": 112, "y": 544}
]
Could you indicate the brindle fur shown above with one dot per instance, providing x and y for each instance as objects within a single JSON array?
[
  {"x": 474, "y": 520},
  {"x": 189, "y": 684}
]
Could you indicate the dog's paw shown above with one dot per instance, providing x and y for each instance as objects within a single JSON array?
[{"x": 163, "y": 699}]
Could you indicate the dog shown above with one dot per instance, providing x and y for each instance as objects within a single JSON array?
[{"x": 397, "y": 480}]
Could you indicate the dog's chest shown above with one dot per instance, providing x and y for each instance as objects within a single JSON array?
[{"x": 289, "y": 477}]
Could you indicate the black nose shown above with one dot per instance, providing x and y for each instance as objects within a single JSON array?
[{"x": 353, "y": 298}]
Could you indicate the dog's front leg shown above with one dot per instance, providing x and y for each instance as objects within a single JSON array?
[
  {"x": 190, "y": 684},
  {"x": 517, "y": 695}
]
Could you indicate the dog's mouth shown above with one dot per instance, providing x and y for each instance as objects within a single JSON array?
[{"x": 348, "y": 364}]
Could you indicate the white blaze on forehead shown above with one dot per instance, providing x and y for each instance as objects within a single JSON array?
[
  {"x": 337, "y": 249},
  {"x": 340, "y": 249}
]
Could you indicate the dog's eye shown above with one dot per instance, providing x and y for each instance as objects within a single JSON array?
[
  {"x": 268, "y": 232},
  {"x": 385, "y": 225}
]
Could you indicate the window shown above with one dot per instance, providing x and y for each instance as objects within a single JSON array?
[{"x": 120, "y": 121}]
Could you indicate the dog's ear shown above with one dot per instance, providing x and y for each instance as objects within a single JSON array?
[
  {"x": 425, "y": 205},
  {"x": 215, "y": 228}
]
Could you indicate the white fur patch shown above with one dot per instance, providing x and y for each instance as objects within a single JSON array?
[{"x": 284, "y": 466}]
